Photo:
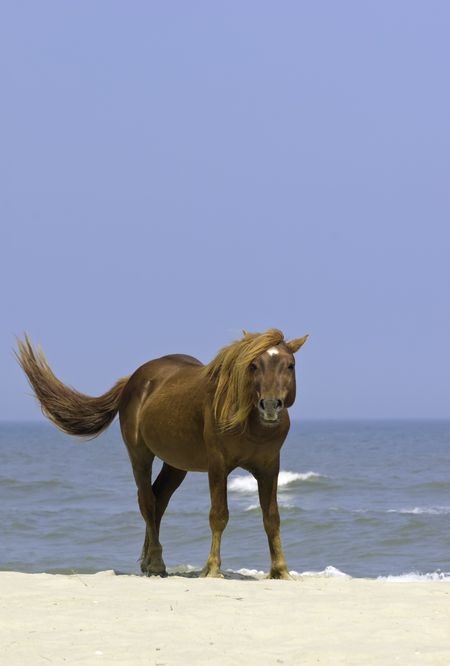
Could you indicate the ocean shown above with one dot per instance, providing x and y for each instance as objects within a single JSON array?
[{"x": 362, "y": 498}]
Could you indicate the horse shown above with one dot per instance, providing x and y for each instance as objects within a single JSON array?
[{"x": 232, "y": 412}]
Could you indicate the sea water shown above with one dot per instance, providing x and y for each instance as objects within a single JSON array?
[{"x": 362, "y": 498}]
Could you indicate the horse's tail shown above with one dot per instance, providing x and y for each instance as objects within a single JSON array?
[{"x": 71, "y": 411}]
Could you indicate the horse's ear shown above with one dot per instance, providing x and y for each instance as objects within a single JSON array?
[
  {"x": 294, "y": 345},
  {"x": 244, "y": 332}
]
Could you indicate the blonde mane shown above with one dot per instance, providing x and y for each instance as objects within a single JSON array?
[{"x": 229, "y": 370}]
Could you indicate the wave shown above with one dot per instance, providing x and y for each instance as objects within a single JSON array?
[
  {"x": 247, "y": 483},
  {"x": 32, "y": 485},
  {"x": 183, "y": 569},
  {"x": 328, "y": 572},
  {"x": 417, "y": 577},
  {"x": 433, "y": 485},
  {"x": 190, "y": 571},
  {"x": 283, "y": 506},
  {"x": 248, "y": 572},
  {"x": 427, "y": 510}
]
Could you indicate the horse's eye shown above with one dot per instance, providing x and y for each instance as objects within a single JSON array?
[
  {"x": 253, "y": 367},
  {"x": 291, "y": 366}
]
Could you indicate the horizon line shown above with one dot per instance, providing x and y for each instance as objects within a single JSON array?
[{"x": 293, "y": 419}]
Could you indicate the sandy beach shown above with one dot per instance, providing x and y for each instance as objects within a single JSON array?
[{"x": 106, "y": 619}]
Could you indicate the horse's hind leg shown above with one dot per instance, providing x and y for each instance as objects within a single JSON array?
[
  {"x": 141, "y": 457},
  {"x": 167, "y": 481},
  {"x": 141, "y": 461},
  {"x": 152, "y": 562}
]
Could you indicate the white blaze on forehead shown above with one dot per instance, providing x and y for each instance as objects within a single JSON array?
[{"x": 272, "y": 351}]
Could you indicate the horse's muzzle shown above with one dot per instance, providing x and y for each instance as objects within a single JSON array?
[{"x": 269, "y": 409}]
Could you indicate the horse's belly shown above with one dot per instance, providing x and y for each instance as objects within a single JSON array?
[
  {"x": 181, "y": 447},
  {"x": 181, "y": 455}
]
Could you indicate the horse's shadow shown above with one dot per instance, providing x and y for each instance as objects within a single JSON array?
[
  {"x": 196, "y": 573},
  {"x": 227, "y": 575}
]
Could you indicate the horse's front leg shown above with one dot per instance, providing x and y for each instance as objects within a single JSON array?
[
  {"x": 267, "y": 488},
  {"x": 218, "y": 516}
]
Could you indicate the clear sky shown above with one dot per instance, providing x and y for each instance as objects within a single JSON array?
[{"x": 172, "y": 172}]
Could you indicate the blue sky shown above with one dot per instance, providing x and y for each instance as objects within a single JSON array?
[{"x": 174, "y": 172}]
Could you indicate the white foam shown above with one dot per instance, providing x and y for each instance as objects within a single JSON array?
[
  {"x": 427, "y": 510},
  {"x": 416, "y": 577},
  {"x": 243, "y": 484},
  {"x": 247, "y": 483},
  {"x": 285, "y": 478},
  {"x": 328, "y": 572},
  {"x": 182, "y": 568},
  {"x": 248, "y": 572},
  {"x": 257, "y": 572}
]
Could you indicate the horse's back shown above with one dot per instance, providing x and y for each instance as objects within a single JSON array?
[
  {"x": 152, "y": 375},
  {"x": 180, "y": 359}
]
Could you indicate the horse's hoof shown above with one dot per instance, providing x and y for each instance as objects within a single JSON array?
[
  {"x": 211, "y": 573},
  {"x": 280, "y": 575},
  {"x": 162, "y": 574},
  {"x": 149, "y": 570}
]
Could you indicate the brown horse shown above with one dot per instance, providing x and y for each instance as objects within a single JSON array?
[{"x": 195, "y": 418}]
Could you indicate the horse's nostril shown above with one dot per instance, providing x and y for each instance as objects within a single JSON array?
[{"x": 270, "y": 405}]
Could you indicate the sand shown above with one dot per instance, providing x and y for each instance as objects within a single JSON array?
[{"x": 119, "y": 619}]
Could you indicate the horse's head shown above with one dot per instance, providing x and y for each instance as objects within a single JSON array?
[
  {"x": 273, "y": 380},
  {"x": 256, "y": 372}
]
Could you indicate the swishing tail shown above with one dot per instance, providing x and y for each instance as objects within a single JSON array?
[{"x": 73, "y": 412}]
